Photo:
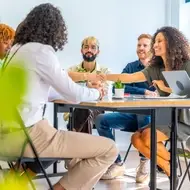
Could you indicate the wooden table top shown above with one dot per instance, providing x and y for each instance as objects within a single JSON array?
[{"x": 134, "y": 103}]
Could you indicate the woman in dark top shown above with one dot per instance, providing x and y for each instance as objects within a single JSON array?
[{"x": 171, "y": 51}]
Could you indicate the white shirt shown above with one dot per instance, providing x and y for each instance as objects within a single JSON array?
[
  {"x": 44, "y": 71},
  {"x": 53, "y": 95}
]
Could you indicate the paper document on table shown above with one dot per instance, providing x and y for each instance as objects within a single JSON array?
[{"x": 171, "y": 96}]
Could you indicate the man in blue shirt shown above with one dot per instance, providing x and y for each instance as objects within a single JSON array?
[
  {"x": 126, "y": 121},
  {"x": 141, "y": 87}
]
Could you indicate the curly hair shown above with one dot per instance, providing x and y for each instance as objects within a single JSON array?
[
  {"x": 6, "y": 33},
  {"x": 177, "y": 48},
  {"x": 44, "y": 24}
]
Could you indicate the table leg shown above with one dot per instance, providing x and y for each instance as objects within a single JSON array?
[
  {"x": 173, "y": 141},
  {"x": 55, "y": 124},
  {"x": 153, "y": 151},
  {"x": 71, "y": 119}
]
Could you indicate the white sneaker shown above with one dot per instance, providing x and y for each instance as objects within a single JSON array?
[
  {"x": 143, "y": 171},
  {"x": 114, "y": 171}
]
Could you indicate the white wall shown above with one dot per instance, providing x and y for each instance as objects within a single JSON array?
[
  {"x": 184, "y": 19},
  {"x": 172, "y": 13},
  {"x": 116, "y": 23}
]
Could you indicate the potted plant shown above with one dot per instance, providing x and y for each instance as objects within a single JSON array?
[{"x": 119, "y": 89}]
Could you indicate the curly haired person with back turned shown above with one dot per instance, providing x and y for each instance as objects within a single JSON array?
[{"x": 42, "y": 33}]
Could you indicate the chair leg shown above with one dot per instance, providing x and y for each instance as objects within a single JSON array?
[
  {"x": 29, "y": 178},
  {"x": 44, "y": 172},
  {"x": 180, "y": 168},
  {"x": 16, "y": 169},
  {"x": 20, "y": 121},
  {"x": 180, "y": 185},
  {"x": 185, "y": 158},
  {"x": 35, "y": 152},
  {"x": 10, "y": 165},
  {"x": 127, "y": 153},
  {"x": 114, "y": 133},
  {"x": 17, "y": 173}
]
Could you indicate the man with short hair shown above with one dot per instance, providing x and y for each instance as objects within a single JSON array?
[
  {"x": 83, "y": 118},
  {"x": 126, "y": 121}
]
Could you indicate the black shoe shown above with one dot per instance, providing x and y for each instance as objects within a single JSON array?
[{"x": 160, "y": 170}]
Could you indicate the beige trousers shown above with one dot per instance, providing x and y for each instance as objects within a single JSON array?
[{"x": 94, "y": 154}]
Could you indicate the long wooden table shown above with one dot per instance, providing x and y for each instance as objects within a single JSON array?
[{"x": 157, "y": 108}]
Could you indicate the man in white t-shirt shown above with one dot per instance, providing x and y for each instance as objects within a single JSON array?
[{"x": 41, "y": 34}]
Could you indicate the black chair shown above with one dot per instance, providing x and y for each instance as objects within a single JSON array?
[
  {"x": 187, "y": 172},
  {"x": 184, "y": 176},
  {"x": 178, "y": 159}
]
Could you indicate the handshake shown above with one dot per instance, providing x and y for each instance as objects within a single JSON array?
[
  {"x": 95, "y": 80},
  {"x": 99, "y": 86},
  {"x": 98, "y": 76}
]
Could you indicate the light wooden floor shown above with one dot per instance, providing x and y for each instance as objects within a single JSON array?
[{"x": 122, "y": 183}]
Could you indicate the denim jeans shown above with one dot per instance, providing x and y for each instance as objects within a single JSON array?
[{"x": 125, "y": 121}]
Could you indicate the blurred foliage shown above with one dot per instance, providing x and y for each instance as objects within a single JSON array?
[
  {"x": 13, "y": 86},
  {"x": 14, "y": 182}
]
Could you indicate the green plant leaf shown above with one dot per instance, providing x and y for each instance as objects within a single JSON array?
[
  {"x": 119, "y": 85},
  {"x": 13, "y": 83}
]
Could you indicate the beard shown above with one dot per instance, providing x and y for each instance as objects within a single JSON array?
[{"x": 88, "y": 58}]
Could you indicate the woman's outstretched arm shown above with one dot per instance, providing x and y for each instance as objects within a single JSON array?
[{"x": 127, "y": 78}]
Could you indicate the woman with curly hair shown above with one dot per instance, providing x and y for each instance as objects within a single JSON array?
[
  {"x": 42, "y": 33},
  {"x": 171, "y": 51},
  {"x": 6, "y": 38}
]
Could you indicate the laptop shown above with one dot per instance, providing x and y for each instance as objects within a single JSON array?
[{"x": 179, "y": 82}]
